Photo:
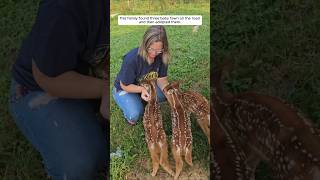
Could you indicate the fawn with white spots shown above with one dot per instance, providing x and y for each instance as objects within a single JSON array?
[
  {"x": 199, "y": 105},
  {"x": 268, "y": 129},
  {"x": 154, "y": 132},
  {"x": 181, "y": 127}
]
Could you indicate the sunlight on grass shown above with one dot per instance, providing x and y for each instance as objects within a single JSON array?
[{"x": 189, "y": 63}]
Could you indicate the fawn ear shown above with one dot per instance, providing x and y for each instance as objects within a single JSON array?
[
  {"x": 167, "y": 87},
  {"x": 143, "y": 82},
  {"x": 176, "y": 84},
  {"x": 180, "y": 82}
]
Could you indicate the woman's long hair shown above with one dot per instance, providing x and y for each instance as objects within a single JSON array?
[{"x": 155, "y": 34}]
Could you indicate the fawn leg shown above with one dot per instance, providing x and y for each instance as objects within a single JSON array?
[
  {"x": 205, "y": 126},
  {"x": 188, "y": 155},
  {"x": 155, "y": 158},
  {"x": 164, "y": 158},
  {"x": 178, "y": 159}
]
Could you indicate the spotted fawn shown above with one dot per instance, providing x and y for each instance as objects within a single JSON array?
[
  {"x": 266, "y": 128},
  {"x": 199, "y": 105},
  {"x": 154, "y": 133},
  {"x": 181, "y": 127}
]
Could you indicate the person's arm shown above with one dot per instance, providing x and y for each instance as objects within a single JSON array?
[
  {"x": 69, "y": 84},
  {"x": 132, "y": 88},
  {"x": 162, "y": 82},
  {"x": 105, "y": 101}
]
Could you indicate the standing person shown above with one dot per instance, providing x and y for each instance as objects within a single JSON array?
[
  {"x": 53, "y": 95},
  {"x": 149, "y": 61}
]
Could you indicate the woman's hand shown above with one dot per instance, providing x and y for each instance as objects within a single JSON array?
[
  {"x": 144, "y": 94},
  {"x": 132, "y": 88}
]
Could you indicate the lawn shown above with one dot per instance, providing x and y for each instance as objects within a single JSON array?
[
  {"x": 18, "y": 159},
  {"x": 190, "y": 63},
  {"x": 275, "y": 48}
]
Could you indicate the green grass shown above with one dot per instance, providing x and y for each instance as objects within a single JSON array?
[
  {"x": 275, "y": 48},
  {"x": 190, "y": 63},
  {"x": 18, "y": 159}
]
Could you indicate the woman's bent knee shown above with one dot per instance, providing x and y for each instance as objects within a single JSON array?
[{"x": 134, "y": 115}]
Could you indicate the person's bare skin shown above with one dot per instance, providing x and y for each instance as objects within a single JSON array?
[{"x": 69, "y": 84}]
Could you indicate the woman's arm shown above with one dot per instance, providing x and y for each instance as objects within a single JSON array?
[
  {"x": 162, "y": 82},
  {"x": 132, "y": 88},
  {"x": 69, "y": 84}
]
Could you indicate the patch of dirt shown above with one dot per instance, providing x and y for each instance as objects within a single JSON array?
[{"x": 143, "y": 172}]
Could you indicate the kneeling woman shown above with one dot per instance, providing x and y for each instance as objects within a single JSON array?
[{"x": 149, "y": 61}]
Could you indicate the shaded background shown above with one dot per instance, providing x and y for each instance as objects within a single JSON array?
[
  {"x": 275, "y": 47},
  {"x": 18, "y": 159}
]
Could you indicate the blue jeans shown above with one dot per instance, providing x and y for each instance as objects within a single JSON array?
[
  {"x": 131, "y": 103},
  {"x": 66, "y": 132}
]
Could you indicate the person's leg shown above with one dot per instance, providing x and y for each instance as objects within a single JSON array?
[
  {"x": 130, "y": 104},
  {"x": 65, "y": 132},
  {"x": 161, "y": 96}
]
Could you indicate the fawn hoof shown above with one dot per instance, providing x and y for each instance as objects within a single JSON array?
[
  {"x": 171, "y": 172},
  {"x": 176, "y": 176},
  {"x": 168, "y": 169},
  {"x": 153, "y": 173},
  {"x": 189, "y": 162},
  {"x": 155, "y": 170}
]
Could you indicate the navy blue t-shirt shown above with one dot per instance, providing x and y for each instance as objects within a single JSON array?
[
  {"x": 68, "y": 35},
  {"x": 135, "y": 69}
]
